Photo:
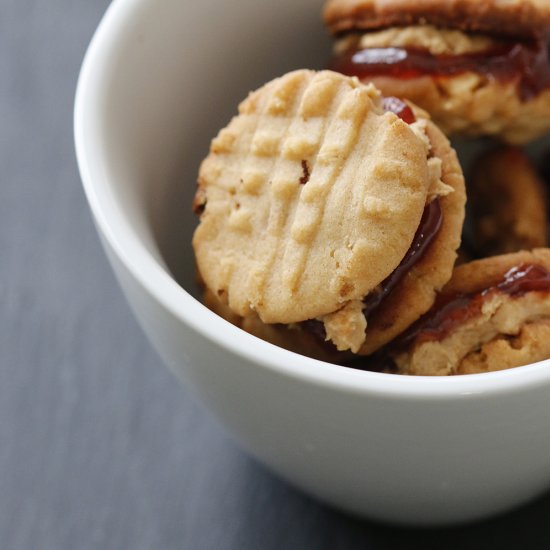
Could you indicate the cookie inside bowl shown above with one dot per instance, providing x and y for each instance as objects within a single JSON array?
[
  {"x": 321, "y": 202},
  {"x": 175, "y": 138}
]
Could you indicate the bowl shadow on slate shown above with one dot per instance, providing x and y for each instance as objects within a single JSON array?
[{"x": 299, "y": 521}]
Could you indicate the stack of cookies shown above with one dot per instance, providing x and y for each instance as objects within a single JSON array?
[{"x": 332, "y": 206}]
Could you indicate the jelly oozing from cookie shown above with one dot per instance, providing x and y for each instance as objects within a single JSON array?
[
  {"x": 400, "y": 108},
  {"x": 451, "y": 311},
  {"x": 430, "y": 224},
  {"x": 526, "y": 64},
  {"x": 484, "y": 319},
  {"x": 478, "y": 67}
]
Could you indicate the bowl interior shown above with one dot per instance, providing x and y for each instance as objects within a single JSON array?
[{"x": 161, "y": 79}]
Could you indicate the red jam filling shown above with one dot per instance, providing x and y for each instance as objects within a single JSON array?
[
  {"x": 400, "y": 108},
  {"x": 429, "y": 227},
  {"x": 450, "y": 311},
  {"x": 431, "y": 221},
  {"x": 526, "y": 63}
]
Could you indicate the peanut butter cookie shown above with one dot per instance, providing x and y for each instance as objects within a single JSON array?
[
  {"x": 479, "y": 67},
  {"x": 494, "y": 314},
  {"x": 314, "y": 196}
]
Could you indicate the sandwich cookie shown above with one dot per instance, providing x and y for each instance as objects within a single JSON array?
[
  {"x": 319, "y": 204},
  {"x": 479, "y": 67},
  {"x": 493, "y": 314}
]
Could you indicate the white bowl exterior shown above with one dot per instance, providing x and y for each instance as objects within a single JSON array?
[{"x": 399, "y": 449}]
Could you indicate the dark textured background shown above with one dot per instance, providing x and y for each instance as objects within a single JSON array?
[{"x": 100, "y": 447}]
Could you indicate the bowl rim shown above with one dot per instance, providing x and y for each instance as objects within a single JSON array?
[{"x": 117, "y": 232}]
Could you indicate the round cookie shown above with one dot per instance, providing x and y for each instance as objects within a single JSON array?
[
  {"x": 311, "y": 198},
  {"x": 490, "y": 316},
  {"x": 478, "y": 67},
  {"x": 507, "y": 205}
]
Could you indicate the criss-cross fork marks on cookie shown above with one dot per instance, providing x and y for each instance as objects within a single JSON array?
[{"x": 293, "y": 243}]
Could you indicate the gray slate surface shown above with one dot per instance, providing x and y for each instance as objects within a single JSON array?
[{"x": 100, "y": 447}]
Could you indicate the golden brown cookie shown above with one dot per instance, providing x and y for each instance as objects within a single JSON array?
[
  {"x": 507, "y": 203},
  {"x": 516, "y": 18},
  {"x": 493, "y": 314},
  {"x": 311, "y": 198},
  {"x": 478, "y": 67},
  {"x": 417, "y": 291},
  {"x": 530, "y": 345},
  {"x": 295, "y": 337}
]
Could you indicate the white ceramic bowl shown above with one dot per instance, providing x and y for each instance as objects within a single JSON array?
[{"x": 160, "y": 78}]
